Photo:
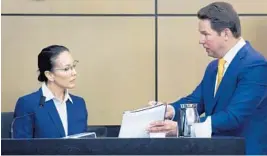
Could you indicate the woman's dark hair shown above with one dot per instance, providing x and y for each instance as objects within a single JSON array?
[
  {"x": 46, "y": 59},
  {"x": 221, "y": 15}
]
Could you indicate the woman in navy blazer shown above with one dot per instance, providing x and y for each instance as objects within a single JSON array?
[{"x": 51, "y": 112}]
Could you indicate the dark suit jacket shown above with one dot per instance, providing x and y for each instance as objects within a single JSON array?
[
  {"x": 35, "y": 121},
  {"x": 239, "y": 107}
]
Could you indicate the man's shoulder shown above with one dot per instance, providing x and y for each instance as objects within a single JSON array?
[{"x": 253, "y": 56}]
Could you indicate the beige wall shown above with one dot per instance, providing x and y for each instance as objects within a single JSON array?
[
  {"x": 192, "y": 6},
  {"x": 115, "y": 70},
  {"x": 116, "y": 54},
  {"x": 78, "y": 6}
]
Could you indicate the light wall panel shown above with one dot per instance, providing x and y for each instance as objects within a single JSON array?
[
  {"x": 78, "y": 6},
  {"x": 182, "y": 61},
  {"x": 192, "y": 6},
  {"x": 116, "y": 54},
  {"x": 254, "y": 30}
]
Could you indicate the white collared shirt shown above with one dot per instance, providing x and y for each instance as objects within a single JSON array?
[
  {"x": 229, "y": 56},
  {"x": 60, "y": 105}
]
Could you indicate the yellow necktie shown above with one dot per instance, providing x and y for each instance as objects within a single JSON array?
[{"x": 220, "y": 72}]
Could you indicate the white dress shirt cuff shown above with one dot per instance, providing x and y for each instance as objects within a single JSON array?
[
  {"x": 173, "y": 112},
  {"x": 202, "y": 130}
]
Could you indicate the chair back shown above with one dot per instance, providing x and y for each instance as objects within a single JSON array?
[{"x": 6, "y": 120}]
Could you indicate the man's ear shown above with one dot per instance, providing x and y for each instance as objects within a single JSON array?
[
  {"x": 227, "y": 33},
  {"x": 49, "y": 75}
]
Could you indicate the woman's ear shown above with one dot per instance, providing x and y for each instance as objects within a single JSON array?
[{"x": 49, "y": 75}]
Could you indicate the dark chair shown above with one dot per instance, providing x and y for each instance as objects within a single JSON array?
[
  {"x": 6, "y": 120},
  {"x": 105, "y": 130},
  {"x": 101, "y": 131},
  {"x": 113, "y": 130}
]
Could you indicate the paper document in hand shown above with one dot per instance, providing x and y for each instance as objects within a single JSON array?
[
  {"x": 84, "y": 135},
  {"x": 134, "y": 123}
]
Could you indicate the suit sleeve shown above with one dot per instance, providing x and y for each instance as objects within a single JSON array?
[
  {"x": 195, "y": 97},
  {"x": 251, "y": 87},
  {"x": 23, "y": 120}
]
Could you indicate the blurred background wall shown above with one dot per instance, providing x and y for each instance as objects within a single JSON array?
[{"x": 129, "y": 51}]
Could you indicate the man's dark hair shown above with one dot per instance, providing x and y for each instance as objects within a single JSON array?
[{"x": 221, "y": 15}]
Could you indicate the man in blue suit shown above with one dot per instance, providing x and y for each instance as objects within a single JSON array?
[{"x": 233, "y": 91}]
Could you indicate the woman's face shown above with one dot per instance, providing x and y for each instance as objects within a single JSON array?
[{"x": 64, "y": 73}]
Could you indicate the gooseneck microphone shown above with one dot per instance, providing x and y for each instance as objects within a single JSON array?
[
  {"x": 15, "y": 119},
  {"x": 41, "y": 105}
]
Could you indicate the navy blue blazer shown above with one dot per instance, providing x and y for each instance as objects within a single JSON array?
[
  {"x": 239, "y": 107},
  {"x": 35, "y": 121}
]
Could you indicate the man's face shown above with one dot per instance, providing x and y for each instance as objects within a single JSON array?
[{"x": 212, "y": 41}]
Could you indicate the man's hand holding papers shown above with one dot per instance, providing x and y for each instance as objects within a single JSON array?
[
  {"x": 167, "y": 126},
  {"x": 134, "y": 123}
]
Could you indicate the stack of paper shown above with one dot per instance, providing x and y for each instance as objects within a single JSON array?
[{"x": 134, "y": 123}]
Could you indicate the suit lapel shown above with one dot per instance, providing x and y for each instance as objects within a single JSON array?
[
  {"x": 213, "y": 78},
  {"x": 210, "y": 88},
  {"x": 228, "y": 76},
  {"x": 51, "y": 109},
  {"x": 71, "y": 114}
]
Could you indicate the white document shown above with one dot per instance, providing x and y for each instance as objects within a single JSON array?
[
  {"x": 134, "y": 123},
  {"x": 84, "y": 135}
]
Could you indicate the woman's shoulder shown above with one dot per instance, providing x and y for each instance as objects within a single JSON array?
[
  {"x": 28, "y": 101},
  {"x": 33, "y": 95},
  {"x": 77, "y": 98}
]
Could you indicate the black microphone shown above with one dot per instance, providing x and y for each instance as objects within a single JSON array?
[
  {"x": 42, "y": 101},
  {"x": 41, "y": 105}
]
